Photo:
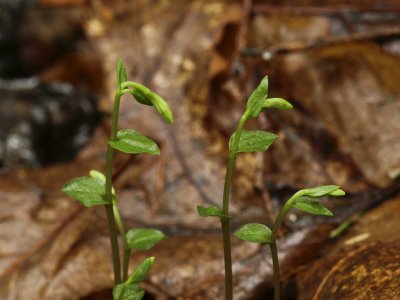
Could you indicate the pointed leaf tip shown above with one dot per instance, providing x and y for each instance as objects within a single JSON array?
[
  {"x": 256, "y": 99},
  {"x": 121, "y": 73},
  {"x": 337, "y": 193},
  {"x": 321, "y": 191},
  {"x": 162, "y": 107},
  {"x": 254, "y": 232},
  {"x": 277, "y": 103},
  {"x": 141, "y": 271}
]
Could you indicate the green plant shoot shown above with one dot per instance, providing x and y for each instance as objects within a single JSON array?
[
  {"x": 96, "y": 189},
  {"x": 306, "y": 200},
  {"x": 243, "y": 141}
]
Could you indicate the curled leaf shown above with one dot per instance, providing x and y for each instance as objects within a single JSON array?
[
  {"x": 321, "y": 191},
  {"x": 277, "y": 103},
  {"x": 140, "y": 93},
  {"x": 337, "y": 193},
  {"x": 145, "y": 96},
  {"x": 256, "y": 99},
  {"x": 121, "y": 73},
  {"x": 162, "y": 107}
]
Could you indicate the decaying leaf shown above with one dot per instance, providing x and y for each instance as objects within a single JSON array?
[
  {"x": 364, "y": 263},
  {"x": 356, "y": 96}
]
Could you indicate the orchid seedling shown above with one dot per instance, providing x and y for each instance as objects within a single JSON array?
[
  {"x": 96, "y": 189},
  {"x": 254, "y": 141},
  {"x": 242, "y": 141}
]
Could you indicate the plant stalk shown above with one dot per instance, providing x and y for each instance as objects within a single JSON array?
[
  {"x": 114, "y": 244},
  {"x": 127, "y": 251},
  {"x": 226, "y": 238},
  {"x": 225, "y": 222},
  {"x": 277, "y": 275},
  {"x": 108, "y": 193},
  {"x": 273, "y": 247}
]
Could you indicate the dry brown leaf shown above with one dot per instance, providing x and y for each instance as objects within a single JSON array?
[{"x": 364, "y": 263}]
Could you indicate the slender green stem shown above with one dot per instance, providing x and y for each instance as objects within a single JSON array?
[
  {"x": 127, "y": 255},
  {"x": 226, "y": 238},
  {"x": 108, "y": 194},
  {"x": 225, "y": 222},
  {"x": 127, "y": 251},
  {"x": 114, "y": 244},
  {"x": 277, "y": 275},
  {"x": 273, "y": 247}
]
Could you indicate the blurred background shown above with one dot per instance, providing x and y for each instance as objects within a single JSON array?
[{"x": 338, "y": 63}]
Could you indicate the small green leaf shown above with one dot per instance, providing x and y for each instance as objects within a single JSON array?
[
  {"x": 86, "y": 190},
  {"x": 254, "y": 232},
  {"x": 311, "y": 206},
  {"x": 140, "y": 93},
  {"x": 256, "y": 99},
  {"x": 121, "y": 73},
  {"x": 277, "y": 103},
  {"x": 123, "y": 291},
  {"x": 211, "y": 211},
  {"x": 145, "y": 96},
  {"x": 162, "y": 107},
  {"x": 131, "y": 141},
  {"x": 130, "y": 290},
  {"x": 321, "y": 191},
  {"x": 143, "y": 238},
  {"x": 141, "y": 271},
  {"x": 252, "y": 141}
]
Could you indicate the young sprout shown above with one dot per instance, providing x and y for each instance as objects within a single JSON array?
[
  {"x": 242, "y": 141},
  {"x": 306, "y": 200},
  {"x": 252, "y": 141},
  {"x": 96, "y": 189}
]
